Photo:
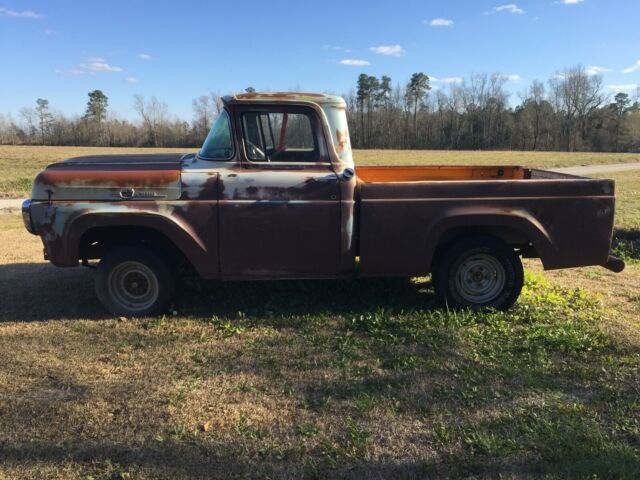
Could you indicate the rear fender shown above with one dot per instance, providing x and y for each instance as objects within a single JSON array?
[{"x": 517, "y": 219}]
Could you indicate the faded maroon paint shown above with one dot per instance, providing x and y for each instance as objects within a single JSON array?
[
  {"x": 276, "y": 222},
  {"x": 569, "y": 221},
  {"x": 104, "y": 178},
  {"x": 239, "y": 219}
]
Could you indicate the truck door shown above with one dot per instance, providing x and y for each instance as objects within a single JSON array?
[{"x": 280, "y": 212}]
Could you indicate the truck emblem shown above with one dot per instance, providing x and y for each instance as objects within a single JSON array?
[{"x": 127, "y": 193}]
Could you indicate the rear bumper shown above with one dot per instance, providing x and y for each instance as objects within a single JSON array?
[
  {"x": 614, "y": 264},
  {"x": 26, "y": 217}
]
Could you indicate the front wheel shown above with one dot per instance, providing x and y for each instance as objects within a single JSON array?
[
  {"x": 479, "y": 272},
  {"x": 133, "y": 281}
]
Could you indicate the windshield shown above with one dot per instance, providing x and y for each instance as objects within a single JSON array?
[{"x": 218, "y": 144}]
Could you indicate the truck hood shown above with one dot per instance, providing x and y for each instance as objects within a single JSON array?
[{"x": 111, "y": 178}]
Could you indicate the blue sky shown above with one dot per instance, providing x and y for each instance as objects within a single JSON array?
[{"x": 61, "y": 49}]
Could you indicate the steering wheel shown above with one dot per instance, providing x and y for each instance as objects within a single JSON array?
[{"x": 255, "y": 152}]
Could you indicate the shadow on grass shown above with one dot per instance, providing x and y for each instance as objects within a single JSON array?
[
  {"x": 39, "y": 291},
  {"x": 516, "y": 394},
  {"x": 176, "y": 460},
  {"x": 626, "y": 243}
]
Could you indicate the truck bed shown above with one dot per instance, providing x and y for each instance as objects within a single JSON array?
[{"x": 565, "y": 220}]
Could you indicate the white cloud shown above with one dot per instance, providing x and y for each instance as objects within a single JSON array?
[
  {"x": 337, "y": 48},
  {"x": 95, "y": 65},
  {"x": 511, "y": 78},
  {"x": 593, "y": 70},
  {"x": 571, "y": 2},
  {"x": 71, "y": 71},
  {"x": 440, "y": 22},
  {"x": 92, "y": 66},
  {"x": 5, "y": 12},
  {"x": 354, "y": 63},
  {"x": 48, "y": 31},
  {"x": 628, "y": 87},
  {"x": 510, "y": 8},
  {"x": 633, "y": 68},
  {"x": 132, "y": 80},
  {"x": 451, "y": 80},
  {"x": 391, "y": 50},
  {"x": 145, "y": 56}
]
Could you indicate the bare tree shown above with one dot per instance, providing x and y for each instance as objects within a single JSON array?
[
  {"x": 30, "y": 119},
  {"x": 576, "y": 94},
  {"x": 154, "y": 114},
  {"x": 204, "y": 111}
]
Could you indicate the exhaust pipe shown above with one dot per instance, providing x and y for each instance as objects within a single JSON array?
[{"x": 614, "y": 264}]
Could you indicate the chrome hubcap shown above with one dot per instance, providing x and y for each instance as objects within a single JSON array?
[
  {"x": 480, "y": 278},
  {"x": 133, "y": 285}
]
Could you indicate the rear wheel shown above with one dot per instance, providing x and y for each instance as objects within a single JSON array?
[
  {"x": 479, "y": 272},
  {"x": 133, "y": 281}
]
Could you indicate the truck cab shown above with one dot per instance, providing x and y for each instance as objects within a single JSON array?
[{"x": 274, "y": 194}]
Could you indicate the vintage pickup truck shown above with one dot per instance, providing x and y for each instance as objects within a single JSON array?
[{"x": 274, "y": 194}]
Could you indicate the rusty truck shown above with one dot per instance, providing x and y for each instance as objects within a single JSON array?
[{"x": 274, "y": 194}]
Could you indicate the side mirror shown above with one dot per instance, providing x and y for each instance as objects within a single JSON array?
[{"x": 348, "y": 174}]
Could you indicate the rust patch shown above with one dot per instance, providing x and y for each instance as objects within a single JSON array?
[
  {"x": 278, "y": 95},
  {"x": 343, "y": 141},
  {"x": 118, "y": 178}
]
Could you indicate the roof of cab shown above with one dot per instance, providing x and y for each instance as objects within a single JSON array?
[{"x": 251, "y": 97}]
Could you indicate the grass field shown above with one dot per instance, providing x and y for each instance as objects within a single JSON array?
[
  {"x": 358, "y": 379},
  {"x": 19, "y": 164},
  {"x": 316, "y": 379}
]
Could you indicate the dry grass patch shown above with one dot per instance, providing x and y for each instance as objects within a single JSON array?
[
  {"x": 20, "y": 164},
  {"x": 467, "y": 157},
  {"x": 310, "y": 380},
  {"x": 627, "y": 199}
]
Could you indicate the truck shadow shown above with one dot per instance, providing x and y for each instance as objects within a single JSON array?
[{"x": 40, "y": 291}]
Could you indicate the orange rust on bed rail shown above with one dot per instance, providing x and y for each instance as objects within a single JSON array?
[{"x": 434, "y": 173}]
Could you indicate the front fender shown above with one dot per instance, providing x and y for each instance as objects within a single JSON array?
[{"x": 190, "y": 226}]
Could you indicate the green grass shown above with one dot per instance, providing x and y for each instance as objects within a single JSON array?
[
  {"x": 20, "y": 164},
  {"x": 313, "y": 380}
]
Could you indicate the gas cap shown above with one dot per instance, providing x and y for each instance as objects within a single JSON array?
[{"x": 348, "y": 173}]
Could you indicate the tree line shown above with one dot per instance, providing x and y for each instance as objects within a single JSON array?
[
  {"x": 572, "y": 111},
  {"x": 98, "y": 127}
]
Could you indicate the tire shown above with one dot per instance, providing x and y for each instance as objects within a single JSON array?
[
  {"x": 134, "y": 282},
  {"x": 480, "y": 273}
]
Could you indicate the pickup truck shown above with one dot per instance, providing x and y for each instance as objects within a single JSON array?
[{"x": 274, "y": 194}]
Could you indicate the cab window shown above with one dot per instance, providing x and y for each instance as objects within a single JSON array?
[
  {"x": 280, "y": 137},
  {"x": 219, "y": 143}
]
